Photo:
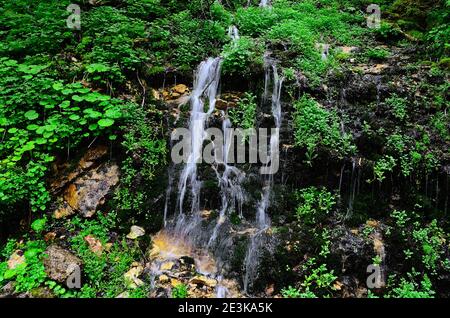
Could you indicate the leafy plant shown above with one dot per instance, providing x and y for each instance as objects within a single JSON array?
[
  {"x": 317, "y": 128},
  {"x": 377, "y": 54},
  {"x": 409, "y": 288},
  {"x": 179, "y": 291},
  {"x": 314, "y": 204},
  {"x": 39, "y": 225},
  {"x": 242, "y": 57},
  {"x": 383, "y": 165},
  {"x": 30, "y": 273},
  {"x": 244, "y": 115},
  {"x": 398, "y": 106}
]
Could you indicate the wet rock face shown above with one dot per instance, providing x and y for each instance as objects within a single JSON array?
[
  {"x": 66, "y": 174},
  {"x": 85, "y": 187},
  {"x": 228, "y": 100},
  {"x": 88, "y": 192},
  {"x": 60, "y": 263},
  {"x": 174, "y": 262}
]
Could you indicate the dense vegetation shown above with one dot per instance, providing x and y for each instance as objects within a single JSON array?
[{"x": 63, "y": 91}]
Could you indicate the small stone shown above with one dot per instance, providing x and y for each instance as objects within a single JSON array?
[
  {"x": 221, "y": 104},
  {"x": 175, "y": 282},
  {"x": 167, "y": 266},
  {"x": 180, "y": 89},
  {"x": 131, "y": 277},
  {"x": 135, "y": 232},
  {"x": 154, "y": 252},
  {"x": 348, "y": 49},
  {"x": 377, "y": 69},
  {"x": 89, "y": 191},
  {"x": 372, "y": 223},
  {"x": 50, "y": 236},
  {"x": 94, "y": 245},
  {"x": 338, "y": 285},
  {"x": 270, "y": 290},
  {"x": 16, "y": 259},
  {"x": 163, "y": 279},
  {"x": 156, "y": 95},
  {"x": 125, "y": 294},
  {"x": 60, "y": 263},
  {"x": 63, "y": 211},
  {"x": 206, "y": 214},
  {"x": 204, "y": 281}
]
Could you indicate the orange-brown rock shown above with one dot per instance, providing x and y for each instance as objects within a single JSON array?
[
  {"x": 95, "y": 245},
  {"x": 88, "y": 192}
]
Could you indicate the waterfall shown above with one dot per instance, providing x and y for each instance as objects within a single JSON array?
[
  {"x": 271, "y": 68},
  {"x": 264, "y": 3},
  {"x": 188, "y": 227},
  {"x": 168, "y": 193},
  {"x": 233, "y": 33},
  {"x": 230, "y": 181},
  {"x": 206, "y": 84},
  {"x": 355, "y": 181},
  {"x": 258, "y": 240}
]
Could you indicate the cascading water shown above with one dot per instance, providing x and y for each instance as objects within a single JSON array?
[
  {"x": 205, "y": 87},
  {"x": 233, "y": 33},
  {"x": 188, "y": 228},
  {"x": 264, "y": 3},
  {"x": 232, "y": 194},
  {"x": 262, "y": 219}
]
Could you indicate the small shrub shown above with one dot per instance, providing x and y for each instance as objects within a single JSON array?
[{"x": 180, "y": 291}]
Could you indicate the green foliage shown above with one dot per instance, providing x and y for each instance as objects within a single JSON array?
[
  {"x": 319, "y": 279},
  {"x": 386, "y": 31},
  {"x": 317, "y": 128},
  {"x": 146, "y": 151},
  {"x": 377, "y": 54},
  {"x": 382, "y": 166},
  {"x": 409, "y": 288},
  {"x": 292, "y": 292},
  {"x": 42, "y": 115},
  {"x": 180, "y": 291},
  {"x": 184, "y": 40},
  {"x": 398, "y": 107},
  {"x": 314, "y": 205},
  {"x": 317, "y": 282},
  {"x": 244, "y": 115},
  {"x": 39, "y": 225},
  {"x": 111, "y": 38},
  {"x": 33, "y": 28},
  {"x": 118, "y": 259},
  {"x": 27, "y": 275},
  {"x": 412, "y": 156},
  {"x": 426, "y": 242},
  {"x": 242, "y": 57}
]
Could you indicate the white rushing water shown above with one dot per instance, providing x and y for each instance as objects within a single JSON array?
[
  {"x": 206, "y": 84},
  {"x": 188, "y": 225},
  {"x": 264, "y": 3},
  {"x": 233, "y": 33},
  {"x": 232, "y": 194},
  {"x": 262, "y": 219}
]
